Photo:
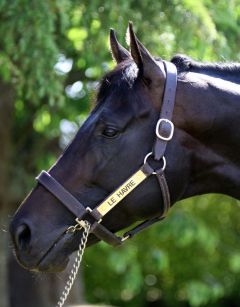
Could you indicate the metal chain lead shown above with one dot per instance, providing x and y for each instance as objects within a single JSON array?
[{"x": 76, "y": 265}]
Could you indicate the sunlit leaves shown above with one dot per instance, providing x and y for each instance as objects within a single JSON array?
[
  {"x": 77, "y": 36},
  {"x": 234, "y": 263},
  {"x": 199, "y": 293},
  {"x": 199, "y": 11},
  {"x": 42, "y": 120}
]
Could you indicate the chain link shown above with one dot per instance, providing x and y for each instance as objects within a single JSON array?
[{"x": 76, "y": 265}]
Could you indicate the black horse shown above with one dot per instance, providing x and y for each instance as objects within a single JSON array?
[{"x": 202, "y": 157}]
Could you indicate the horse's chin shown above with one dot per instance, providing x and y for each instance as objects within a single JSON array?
[
  {"x": 57, "y": 257},
  {"x": 53, "y": 262}
]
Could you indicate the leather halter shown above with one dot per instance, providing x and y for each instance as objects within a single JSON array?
[{"x": 164, "y": 133}]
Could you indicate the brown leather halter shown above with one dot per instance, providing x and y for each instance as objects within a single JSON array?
[{"x": 164, "y": 133}]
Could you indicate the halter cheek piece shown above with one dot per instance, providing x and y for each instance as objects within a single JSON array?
[{"x": 164, "y": 133}]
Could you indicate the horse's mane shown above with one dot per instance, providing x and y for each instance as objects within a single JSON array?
[
  {"x": 186, "y": 64},
  {"x": 125, "y": 73}
]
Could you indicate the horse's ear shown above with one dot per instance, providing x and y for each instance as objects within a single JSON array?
[
  {"x": 119, "y": 53},
  {"x": 147, "y": 65}
]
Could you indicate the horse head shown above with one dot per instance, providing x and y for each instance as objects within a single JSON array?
[{"x": 108, "y": 148}]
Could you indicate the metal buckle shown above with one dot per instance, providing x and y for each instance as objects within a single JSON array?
[
  {"x": 157, "y": 129},
  {"x": 80, "y": 224},
  {"x": 125, "y": 238},
  {"x": 163, "y": 159}
]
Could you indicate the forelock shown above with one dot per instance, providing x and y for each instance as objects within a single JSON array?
[{"x": 123, "y": 76}]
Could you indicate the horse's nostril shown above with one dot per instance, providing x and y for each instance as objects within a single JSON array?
[{"x": 23, "y": 236}]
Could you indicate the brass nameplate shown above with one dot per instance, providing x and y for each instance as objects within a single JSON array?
[{"x": 127, "y": 187}]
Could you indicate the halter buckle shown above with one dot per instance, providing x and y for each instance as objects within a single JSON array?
[
  {"x": 123, "y": 239},
  {"x": 81, "y": 223},
  {"x": 158, "y": 129}
]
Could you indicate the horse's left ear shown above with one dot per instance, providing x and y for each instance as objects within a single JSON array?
[
  {"x": 119, "y": 53},
  {"x": 148, "y": 67}
]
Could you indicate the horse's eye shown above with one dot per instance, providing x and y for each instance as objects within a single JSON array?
[{"x": 110, "y": 132}]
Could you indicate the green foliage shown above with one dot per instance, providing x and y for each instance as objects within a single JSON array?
[
  {"x": 192, "y": 258},
  {"x": 30, "y": 47}
]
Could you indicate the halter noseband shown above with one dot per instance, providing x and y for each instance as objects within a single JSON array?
[{"x": 164, "y": 133}]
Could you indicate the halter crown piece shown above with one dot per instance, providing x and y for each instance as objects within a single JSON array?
[{"x": 164, "y": 133}]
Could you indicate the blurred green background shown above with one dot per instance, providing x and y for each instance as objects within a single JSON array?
[{"x": 52, "y": 54}]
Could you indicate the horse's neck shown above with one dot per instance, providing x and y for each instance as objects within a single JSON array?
[{"x": 209, "y": 112}]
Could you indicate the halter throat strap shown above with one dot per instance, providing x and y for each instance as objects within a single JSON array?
[{"x": 164, "y": 133}]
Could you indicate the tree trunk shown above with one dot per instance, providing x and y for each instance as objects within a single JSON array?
[
  {"x": 3, "y": 265},
  {"x": 6, "y": 114}
]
